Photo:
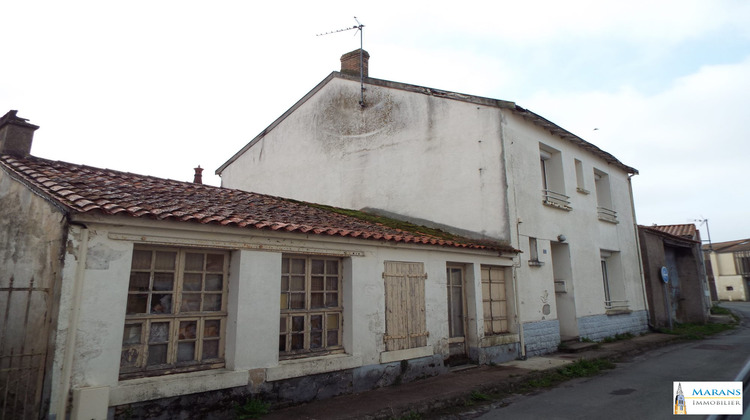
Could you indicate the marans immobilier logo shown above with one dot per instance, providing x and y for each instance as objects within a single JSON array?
[{"x": 707, "y": 397}]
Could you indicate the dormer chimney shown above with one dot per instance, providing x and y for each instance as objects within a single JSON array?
[
  {"x": 350, "y": 62},
  {"x": 198, "y": 177},
  {"x": 16, "y": 134}
]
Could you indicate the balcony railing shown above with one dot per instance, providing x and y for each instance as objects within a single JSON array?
[
  {"x": 555, "y": 199},
  {"x": 607, "y": 215}
]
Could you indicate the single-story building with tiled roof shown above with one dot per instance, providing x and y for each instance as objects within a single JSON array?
[
  {"x": 676, "y": 285},
  {"x": 130, "y": 294},
  {"x": 729, "y": 264}
]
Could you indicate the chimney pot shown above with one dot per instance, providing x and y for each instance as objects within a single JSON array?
[
  {"x": 16, "y": 134},
  {"x": 350, "y": 62},
  {"x": 198, "y": 177}
]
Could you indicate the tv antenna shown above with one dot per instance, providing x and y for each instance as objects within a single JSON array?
[
  {"x": 358, "y": 27},
  {"x": 703, "y": 221}
]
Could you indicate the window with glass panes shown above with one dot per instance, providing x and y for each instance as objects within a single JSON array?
[
  {"x": 494, "y": 300},
  {"x": 311, "y": 309},
  {"x": 176, "y": 311}
]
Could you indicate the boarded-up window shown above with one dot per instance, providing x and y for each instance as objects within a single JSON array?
[
  {"x": 176, "y": 312},
  {"x": 405, "y": 322},
  {"x": 494, "y": 300}
]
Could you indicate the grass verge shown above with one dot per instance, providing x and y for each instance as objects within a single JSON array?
[
  {"x": 579, "y": 369},
  {"x": 696, "y": 331}
]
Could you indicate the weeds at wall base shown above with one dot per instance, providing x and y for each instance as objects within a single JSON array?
[
  {"x": 696, "y": 331},
  {"x": 253, "y": 408}
]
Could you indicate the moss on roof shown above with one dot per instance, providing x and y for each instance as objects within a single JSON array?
[{"x": 406, "y": 226}]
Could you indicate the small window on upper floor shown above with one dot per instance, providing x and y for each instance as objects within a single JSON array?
[
  {"x": 553, "y": 182},
  {"x": 604, "y": 197},
  {"x": 580, "y": 180}
]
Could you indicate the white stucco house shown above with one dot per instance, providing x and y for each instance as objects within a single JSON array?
[
  {"x": 480, "y": 167},
  {"x": 129, "y": 296}
]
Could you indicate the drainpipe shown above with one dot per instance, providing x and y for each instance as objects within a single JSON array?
[
  {"x": 522, "y": 343},
  {"x": 75, "y": 312},
  {"x": 510, "y": 169},
  {"x": 638, "y": 249}
]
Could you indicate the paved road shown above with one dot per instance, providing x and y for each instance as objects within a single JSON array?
[{"x": 640, "y": 388}]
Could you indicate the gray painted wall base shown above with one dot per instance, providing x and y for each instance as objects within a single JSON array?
[
  {"x": 599, "y": 327},
  {"x": 541, "y": 337},
  {"x": 220, "y": 403}
]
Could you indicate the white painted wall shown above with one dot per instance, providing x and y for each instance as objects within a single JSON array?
[
  {"x": 416, "y": 155},
  {"x": 585, "y": 234},
  {"x": 253, "y": 304},
  {"x": 726, "y": 277},
  {"x": 451, "y": 162}
]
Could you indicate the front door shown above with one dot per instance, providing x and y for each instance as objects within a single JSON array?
[
  {"x": 564, "y": 291},
  {"x": 456, "y": 311}
]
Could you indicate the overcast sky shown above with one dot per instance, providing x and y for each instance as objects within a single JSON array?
[{"x": 159, "y": 87}]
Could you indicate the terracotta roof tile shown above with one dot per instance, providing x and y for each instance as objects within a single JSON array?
[
  {"x": 739, "y": 245},
  {"x": 686, "y": 230},
  {"x": 85, "y": 189}
]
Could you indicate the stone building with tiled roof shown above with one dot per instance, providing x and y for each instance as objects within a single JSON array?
[{"x": 126, "y": 294}]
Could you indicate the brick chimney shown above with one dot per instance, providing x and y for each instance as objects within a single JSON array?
[
  {"x": 16, "y": 134},
  {"x": 350, "y": 62},
  {"x": 198, "y": 177}
]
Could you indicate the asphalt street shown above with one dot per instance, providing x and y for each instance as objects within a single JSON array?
[{"x": 639, "y": 388}]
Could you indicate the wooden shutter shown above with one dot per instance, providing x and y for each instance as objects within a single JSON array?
[{"x": 405, "y": 321}]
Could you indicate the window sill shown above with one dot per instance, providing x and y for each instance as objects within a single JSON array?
[
  {"x": 312, "y": 365},
  {"x": 536, "y": 263},
  {"x": 612, "y": 220},
  {"x": 498, "y": 340},
  {"x": 618, "y": 311},
  {"x": 144, "y": 389},
  {"x": 554, "y": 205},
  {"x": 396, "y": 355},
  {"x": 583, "y": 191}
]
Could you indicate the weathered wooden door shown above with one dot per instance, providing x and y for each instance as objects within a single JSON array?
[{"x": 405, "y": 322}]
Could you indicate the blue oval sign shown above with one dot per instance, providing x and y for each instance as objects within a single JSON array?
[{"x": 665, "y": 274}]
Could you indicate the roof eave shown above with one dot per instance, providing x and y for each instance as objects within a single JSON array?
[
  {"x": 479, "y": 100},
  {"x": 277, "y": 121},
  {"x": 567, "y": 135}
]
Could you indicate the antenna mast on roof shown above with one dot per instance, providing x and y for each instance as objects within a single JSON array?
[
  {"x": 358, "y": 27},
  {"x": 702, "y": 221}
]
